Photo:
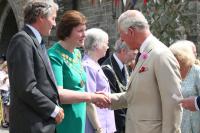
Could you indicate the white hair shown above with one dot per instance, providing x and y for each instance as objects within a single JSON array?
[
  {"x": 94, "y": 38},
  {"x": 119, "y": 44},
  {"x": 132, "y": 18},
  {"x": 183, "y": 51}
]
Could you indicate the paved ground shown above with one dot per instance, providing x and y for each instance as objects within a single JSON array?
[{"x": 3, "y": 130}]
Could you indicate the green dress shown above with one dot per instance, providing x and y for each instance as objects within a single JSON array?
[{"x": 70, "y": 74}]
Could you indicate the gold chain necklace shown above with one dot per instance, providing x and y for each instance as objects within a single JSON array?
[{"x": 70, "y": 62}]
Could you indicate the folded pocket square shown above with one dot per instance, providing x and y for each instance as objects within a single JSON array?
[{"x": 143, "y": 69}]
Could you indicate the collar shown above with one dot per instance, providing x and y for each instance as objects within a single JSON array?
[
  {"x": 118, "y": 61},
  {"x": 36, "y": 33},
  {"x": 145, "y": 43}
]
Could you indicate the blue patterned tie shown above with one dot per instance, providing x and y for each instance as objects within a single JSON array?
[{"x": 42, "y": 44}]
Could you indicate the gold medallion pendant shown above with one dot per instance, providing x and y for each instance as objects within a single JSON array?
[{"x": 82, "y": 83}]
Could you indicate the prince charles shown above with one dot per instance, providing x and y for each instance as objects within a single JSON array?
[{"x": 156, "y": 77}]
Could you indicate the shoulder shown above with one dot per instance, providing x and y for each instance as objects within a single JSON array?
[
  {"x": 161, "y": 49},
  {"x": 108, "y": 70},
  {"x": 52, "y": 49},
  {"x": 163, "y": 58},
  {"x": 90, "y": 65},
  {"x": 196, "y": 67},
  {"x": 106, "y": 67},
  {"x": 55, "y": 53},
  {"x": 21, "y": 37},
  {"x": 195, "y": 70},
  {"x": 162, "y": 52},
  {"x": 19, "y": 44},
  {"x": 77, "y": 52}
]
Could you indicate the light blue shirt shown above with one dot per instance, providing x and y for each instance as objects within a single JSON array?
[{"x": 36, "y": 33}]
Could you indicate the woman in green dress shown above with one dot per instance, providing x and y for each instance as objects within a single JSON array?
[{"x": 70, "y": 76}]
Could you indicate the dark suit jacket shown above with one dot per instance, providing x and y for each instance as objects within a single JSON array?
[
  {"x": 33, "y": 90},
  {"x": 198, "y": 101},
  {"x": 120, "y": 113}
]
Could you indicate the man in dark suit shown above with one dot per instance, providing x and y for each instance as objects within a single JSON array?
[
  {"x": 191, "y": 103},
  {"x": 34, "y": 96},
  {"x": 116, "y": 71}
]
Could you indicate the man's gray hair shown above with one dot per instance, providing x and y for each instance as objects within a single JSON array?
[
  {"x": 119, "y": 44},
  {"x": 94, "y": 38},
  {"x": 132, "y": 18},
  {"x": 38, "y": 8}
]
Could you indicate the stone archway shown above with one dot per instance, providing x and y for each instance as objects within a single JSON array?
[
  {"x": 17, "y": 7},
  {"x": 10, "y": 21}
]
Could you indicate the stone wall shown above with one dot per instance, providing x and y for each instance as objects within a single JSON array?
[{"x": 101, "y": 15}]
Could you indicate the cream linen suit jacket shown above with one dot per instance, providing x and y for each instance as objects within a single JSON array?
[{"x": 151, "y": 108}]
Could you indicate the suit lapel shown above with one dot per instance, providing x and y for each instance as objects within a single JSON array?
[
  {"x": 117, "y": 70},
  {"x": 46, "y": 62},
  {"x": 141, "y": 61},
  {"x": 41, "y": 54}
]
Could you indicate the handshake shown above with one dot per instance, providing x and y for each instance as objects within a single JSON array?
[{"x": 100, "y": 99}]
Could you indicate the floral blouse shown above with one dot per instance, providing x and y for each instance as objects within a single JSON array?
[{"x": 191, "y": 87}]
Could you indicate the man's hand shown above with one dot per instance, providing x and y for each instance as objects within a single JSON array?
[
  {"x": 189, "y": 103},
  {"x": 101, "y": 100},
  {"x": 59, "y": 116}
]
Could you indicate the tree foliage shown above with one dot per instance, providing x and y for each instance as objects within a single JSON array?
[{"x": 167, "y": 19}]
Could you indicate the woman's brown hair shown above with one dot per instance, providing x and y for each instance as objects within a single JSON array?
[{"x": 68, "y": 21}]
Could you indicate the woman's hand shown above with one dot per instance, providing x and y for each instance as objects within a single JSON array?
[
  {"x": 189, "y": 103},
  {"x": 101, "y": 99}
]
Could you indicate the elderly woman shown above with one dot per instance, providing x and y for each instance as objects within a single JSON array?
[
  {"x": 96, "y": 44},
  {"x": 69, "y": 73},
  {"x": 190, "y": 86}
]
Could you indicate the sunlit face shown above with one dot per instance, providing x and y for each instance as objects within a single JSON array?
[
  {"x": 48, "y": 23},
  {"x": 130, "y": 55},
  {"x": 77, "y": 35},
  {"x": 128, "y": 37}
]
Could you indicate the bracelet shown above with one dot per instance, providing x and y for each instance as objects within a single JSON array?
[
  {"x": 97, "y": 129},
  {"x": 91, "y": 98}
]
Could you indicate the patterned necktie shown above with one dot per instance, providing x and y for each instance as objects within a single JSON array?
[
  {"x": 42, "y": 44},
  {"x": 124, "y": 74}
]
